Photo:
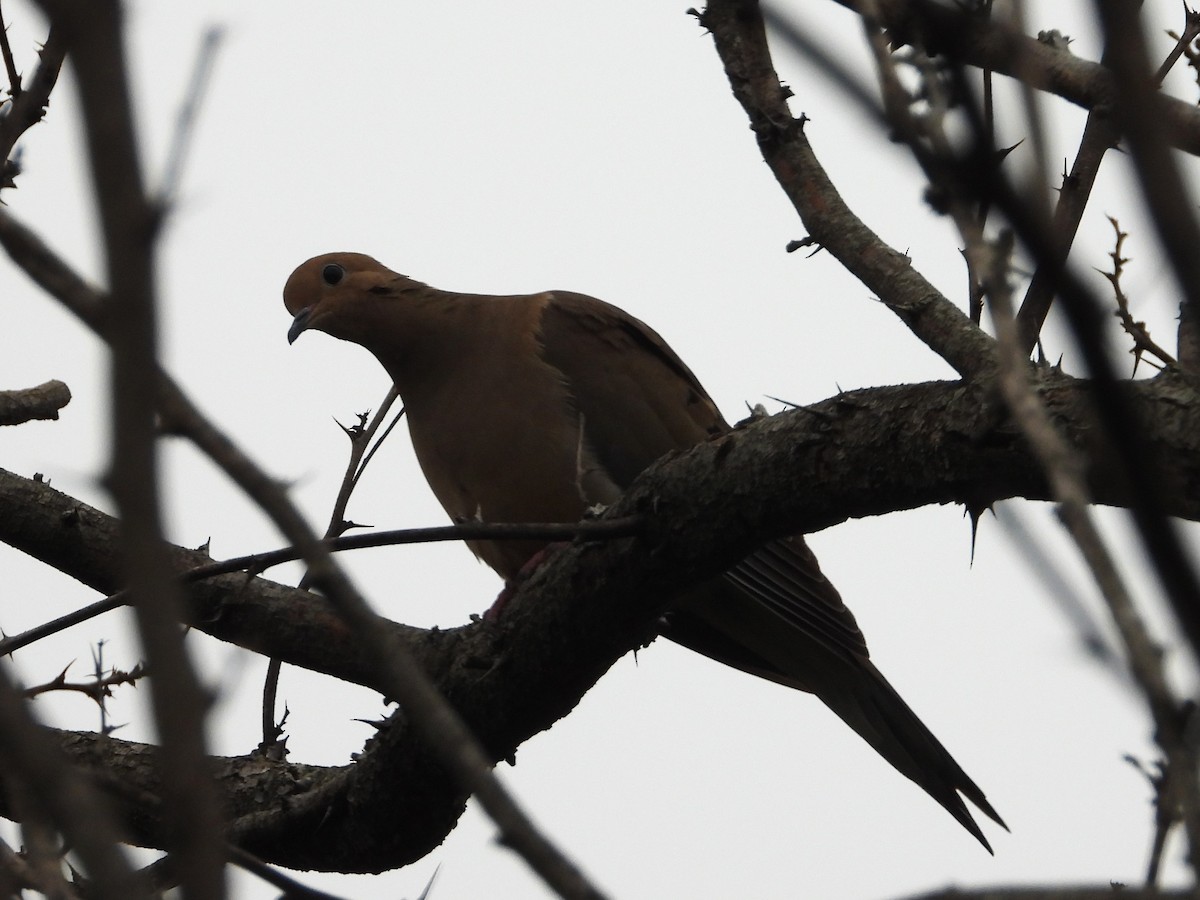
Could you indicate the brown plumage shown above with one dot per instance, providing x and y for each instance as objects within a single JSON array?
[{"x": 532, "y": 408}]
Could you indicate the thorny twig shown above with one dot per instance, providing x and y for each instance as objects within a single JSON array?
[
  {"x": 27, "y": 103},
  {"x": 1142, "y": 342},
  {"x": 98, "y": 689},
  {"x": 360, "y": 438},
  {"x": 10, "y": 65},
  {"x": 1061, "y": 464},
  {"x": 1184, "y": 45},
  {"x": 186, "y": 122},
  {"x": 1166, "y": 812}
]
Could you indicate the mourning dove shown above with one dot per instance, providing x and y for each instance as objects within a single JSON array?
[{"x": 532, "y": 408}]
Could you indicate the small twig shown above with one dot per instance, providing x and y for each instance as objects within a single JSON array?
[
  {"x": 185, "y": 123},
  {"x": 360, "y": 437},
  {"x": 740, "y": 40},
  {"x": 41, "y": 402},
  {"x": 1142, "y": 342},
  {"x": 392, "y": 396},
  {"x": 31, "y": 757},
  {"x": 1098, "y": 138},
  {"x": 400, "y": 675},
  {"x": 10, "y": 65},
  {"x": 28, "y": 105},
  {"x": 292, "y": 889},
  {"x": 1165, "y": 191},
  {"x": 926, "y": 137},
  {"x": 1165, "y": 813},
  {"x": 1039, "y": 184},
  {"x": 1064, "y": 472},
  {"x": 98, "y": 674},
  {"x": 597, "y": 530},
  {"x": 97, "y": 690},
  {"x": 1191, "y": 31}
]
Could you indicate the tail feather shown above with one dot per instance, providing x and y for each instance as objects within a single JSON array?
[
  {"x": 873, "y": 708},
  {"x": 742, "y": 627}
]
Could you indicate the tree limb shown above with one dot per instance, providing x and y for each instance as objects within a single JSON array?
[
  {"x": 857, "y": 454},
  {"x": 41, "y": 402}
]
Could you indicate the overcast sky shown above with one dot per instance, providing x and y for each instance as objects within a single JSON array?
[{"x": 504, "y": 148}]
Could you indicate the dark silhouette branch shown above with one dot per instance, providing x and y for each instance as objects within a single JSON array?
[
  {"x": 92, "y": 32},
  {"x": 29, "y": 101},
  {"x": 41, "y": 402},
  {"x": 740, "y": 39},
  {"x": 37, "y": 767},
  {"x": 894, "y": 448},
  {"x": 1164, "y": 192},
  {"x": 404, "y": 678},
  {"x": 993, "y": 44}
]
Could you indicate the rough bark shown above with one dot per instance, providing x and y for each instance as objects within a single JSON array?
[{"x": 862, "y": 453}]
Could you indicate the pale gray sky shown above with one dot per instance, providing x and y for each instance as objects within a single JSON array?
[{"x": 499, "y": 148}]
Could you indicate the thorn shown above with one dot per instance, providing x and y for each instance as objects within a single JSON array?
[
  {"x": 424, "y": 895},
  {"x": 810, "y": 241},
  {"x": 975, "y": 513},
  {"x": 1003, "y": 152},
  {"x": 790, "y": 403}
]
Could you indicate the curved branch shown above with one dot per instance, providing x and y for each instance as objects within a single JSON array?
[
  {"x": 858, "y": 454},
  {"x": 742, "y": 45},
  {"x": 990, "y": 43},
  {"x": 29, "y": 103}
]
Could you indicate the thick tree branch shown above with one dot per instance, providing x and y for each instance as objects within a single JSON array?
[
  {"x": 993, "y": 44},
  {"x": 858, "y": 454},
  {"x": 864, "y": 453},
  {"x": 737, "y": 30},
  {"x": 740, "y": 39}
]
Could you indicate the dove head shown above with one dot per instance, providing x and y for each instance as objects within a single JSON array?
[{"x": 337, "y": 293}]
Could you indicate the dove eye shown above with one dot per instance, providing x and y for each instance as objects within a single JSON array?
[{"x": 332, "y": 274}]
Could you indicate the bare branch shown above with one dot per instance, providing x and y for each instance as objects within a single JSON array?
[
  {"x": 971, "y": 40},
  {"x": 292, "y": 889},
  {"x": 1166, "y": 194},
  {"x": 1064, "y": 470},
  {"x": 741, "y": 43},
  {"x": 181, "y": 142},
  {"x": 1191, "y": 31},
  {"x": 1100, "y": 892},
  {"x": 32, "y": 757},
  {"x": 1099, "y": 136},
  {"x": 603, "y": 529},
  {"x": 98, "y": 690},
  {"x": 93, "y": 33},
  {"x": 28, "y": 104},
  {"x": 403, "y": 679},
  {"x": 360, "y": 438},
  {"x": 1142, "y": 342},
  {"x": 41, "y": 402}
]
